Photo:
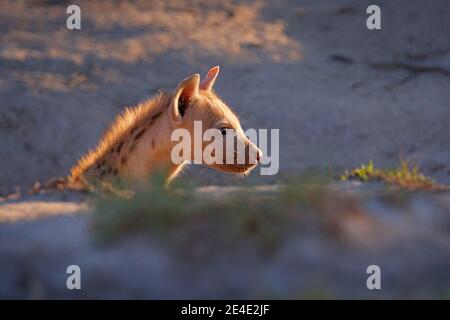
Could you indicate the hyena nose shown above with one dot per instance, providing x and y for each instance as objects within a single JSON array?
[{"x": 259, "y": 156}]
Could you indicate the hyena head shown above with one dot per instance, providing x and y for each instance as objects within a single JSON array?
[{"x": 195, "y": 101}]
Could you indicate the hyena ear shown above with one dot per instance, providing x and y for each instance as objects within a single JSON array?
[
  {"x": 210, "y": 78},
  {"x": 183, "y": 94}
]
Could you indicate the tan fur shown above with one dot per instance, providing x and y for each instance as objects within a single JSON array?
[
  {"x": 138, "y": 141},
  {"x": 119, "y": 131}
]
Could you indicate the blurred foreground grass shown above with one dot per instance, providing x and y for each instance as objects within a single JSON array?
[
  {"x": 300, "y": 205},
  {"x": 309, "y": 237},
  {"x": 243, "y": 212}
]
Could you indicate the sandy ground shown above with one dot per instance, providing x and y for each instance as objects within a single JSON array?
[
  {"x": 309, "y": 68},
  {"x": 323, "y": 255}
]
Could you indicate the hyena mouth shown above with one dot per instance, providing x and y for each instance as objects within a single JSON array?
[
  {"x": 235, "y": 168},
  {"x": 242, "y": 168}
]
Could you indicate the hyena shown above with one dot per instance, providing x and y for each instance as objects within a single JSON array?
[{"x": 138, "y": 143}]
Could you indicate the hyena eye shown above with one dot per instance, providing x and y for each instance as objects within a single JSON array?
[{"x": 223, "y": 131}]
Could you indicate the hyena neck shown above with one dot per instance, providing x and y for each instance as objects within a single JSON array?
[{"x": 137, "y": 144}]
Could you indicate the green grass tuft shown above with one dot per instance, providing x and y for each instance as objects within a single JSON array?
[{"x": 407, "y": 176}]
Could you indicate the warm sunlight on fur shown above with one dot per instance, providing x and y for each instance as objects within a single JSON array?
[{"x": 138, "y": 142}]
